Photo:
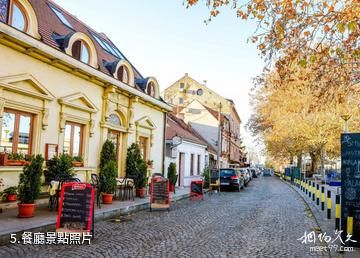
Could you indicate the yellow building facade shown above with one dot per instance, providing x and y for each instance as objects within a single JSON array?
[{"x": 51, "y": 102}]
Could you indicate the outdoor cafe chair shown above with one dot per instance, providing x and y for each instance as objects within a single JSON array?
[
  {"x": 95, "y": 182},
  {"x": 68, "y": 180},
  {"x": 121, "y": 185}
]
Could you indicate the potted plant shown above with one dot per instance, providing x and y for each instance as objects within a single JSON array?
[
  {"x": 141, "y": 179},
  {"x": 12, "y": 159},
  {"x": 10, "y": 193},
  {"x": 59, "y": 168},
  {"x": 29, "y": 186},
  {"x": 171, "y": 175},
  {"x": 150, "y": 164},
  {"x": 136, "y": 168},
  {"x": 108, "y": 171},
  {"x": 78, "y": 161},
  {"x": 108, "y": 181}
]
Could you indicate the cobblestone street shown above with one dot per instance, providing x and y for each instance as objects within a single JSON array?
[{"x": 263, "y": 220}]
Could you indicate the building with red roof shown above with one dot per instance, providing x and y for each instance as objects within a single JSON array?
[{"x": 66, "y": 88}]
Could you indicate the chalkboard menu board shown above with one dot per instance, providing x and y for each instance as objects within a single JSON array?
[
  {"x": 160, "y": 195},
  {"x": 196, "y": 189},
  {"x": 350, "y": 185},
  {"x": 76, "y": 208}
]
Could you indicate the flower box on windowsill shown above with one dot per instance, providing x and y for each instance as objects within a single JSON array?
[
  {"x": 77, "y": 164},
  {"x": 4, "y": 161}
]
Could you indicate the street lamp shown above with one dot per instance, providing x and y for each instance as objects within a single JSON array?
[{"x": 346, "y": 118}]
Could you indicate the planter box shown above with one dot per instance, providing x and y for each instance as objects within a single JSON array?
[
  {"x": 77, "y": 164},
  {"x": 4, "y": 161}
]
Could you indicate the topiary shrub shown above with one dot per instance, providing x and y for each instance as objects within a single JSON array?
[
  {"x": 108, "y": 168},
  {"x": 59, "y": 168},
  {"x": 108, "y": 175},
  {"x": 136, "y": 166},
  {"x": 30, "y": 183},
  {"x": 108, "y": 153},
  {"x": 171, "y": 173},
  {"x": 206, "y": 175}
]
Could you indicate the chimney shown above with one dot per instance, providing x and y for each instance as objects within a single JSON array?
[{"x": 205, "y": 81}]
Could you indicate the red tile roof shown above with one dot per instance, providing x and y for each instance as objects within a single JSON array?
[
  {"x": 177, "y": 127},
  {"x": 50, "y": 25},
  {"x": 215, "y": 114}
]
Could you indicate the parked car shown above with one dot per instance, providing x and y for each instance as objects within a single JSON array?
[
  {"x": 253, "y": 172},
  {"x": 231, "y": 178},
  {"x": 244, "y": 172},
  {"x": 249, "y": 173},
  {"x": 267, "y": 172}
]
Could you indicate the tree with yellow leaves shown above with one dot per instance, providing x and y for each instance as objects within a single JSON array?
[{"x": 294, "y": 119}]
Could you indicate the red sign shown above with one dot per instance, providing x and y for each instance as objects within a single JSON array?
[
  {"x": 76, "y": 208},
  {"x": 196, "y": 189}
]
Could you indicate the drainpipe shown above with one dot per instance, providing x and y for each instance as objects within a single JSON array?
[{"x": 164, "y": 145}]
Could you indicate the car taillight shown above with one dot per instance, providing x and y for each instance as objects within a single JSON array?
[{"x": 234, "y": 177}]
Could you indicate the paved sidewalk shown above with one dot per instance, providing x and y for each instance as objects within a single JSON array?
[
  {"x": 44, "y": 220},
  {"x": 326, "y": 225}
]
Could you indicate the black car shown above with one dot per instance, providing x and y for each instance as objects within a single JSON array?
[
  {"x": 230, "y": 178},
  {"x": 253, "y": 172}
]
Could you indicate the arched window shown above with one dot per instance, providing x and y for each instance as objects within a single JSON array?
[
  {"x": 80, "y": 51},
  {"x": 114, "y": 119},
  {"x": 123, "y": 74},
  {"x": 150, "y": 89},
  {"x": 17, "y": 16}
]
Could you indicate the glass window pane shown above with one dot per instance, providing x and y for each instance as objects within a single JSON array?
[
  {"x": 77, "y": 141},
  {"x": 125, "y": 77},
  {"x": 7, "y": 132},
  {"x": 114, "y": 119},
  {"x": 4, "y": 5},
  {"x": 18, "y": 19},
  {"x": 61, "y": 16},
  {"x": 24, "y": 134},
  {"x": 114, "y": 137},
  {"x": 67, "y": 139},
  {"x": 84, "y": 53}
]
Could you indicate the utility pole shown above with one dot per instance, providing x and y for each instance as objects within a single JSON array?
[{"x": 219, "y": 143}]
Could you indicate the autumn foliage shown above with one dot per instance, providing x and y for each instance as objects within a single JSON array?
[{"x": 312, "y": 74}]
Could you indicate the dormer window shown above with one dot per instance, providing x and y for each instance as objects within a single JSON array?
[
  {"x": 123, "y": 74},
  {"x": 80, "y": 51},
  {"x": 13, "y": 13},
  {"x": 150, "y": 89},
  {"x": 17, "y": 17},
  {"x": 20, "y": 15}
]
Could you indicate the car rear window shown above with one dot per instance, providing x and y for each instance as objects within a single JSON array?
[{"x": 227, "y": 172}]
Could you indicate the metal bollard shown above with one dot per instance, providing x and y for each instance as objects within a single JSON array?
[
  {"x": 329, "y": 204},
  {"x": 350, "y": 222},
  {"x": 322, "y": 198},
  {"x": 306, "y": 187},
  {"x": 317, "y": 194},
  {"x": 309, "y": 189},
  {"x": 313, "y": 191},
  {"x": 337, "y": 212}
]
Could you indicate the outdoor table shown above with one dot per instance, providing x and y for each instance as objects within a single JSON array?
[
  {"x": 53, "y": 187},
  {"x": 52, "y": 190}
]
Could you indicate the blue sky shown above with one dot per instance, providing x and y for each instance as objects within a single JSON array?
[{"x": 162, "y": 38}]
